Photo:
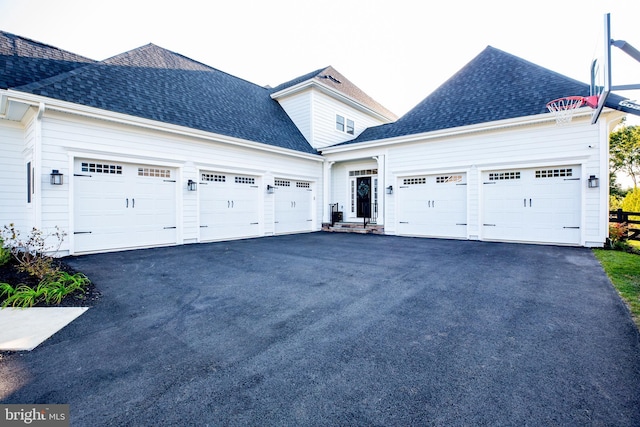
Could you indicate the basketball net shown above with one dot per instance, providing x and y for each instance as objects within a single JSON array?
[{"x": 564, "y": 108}]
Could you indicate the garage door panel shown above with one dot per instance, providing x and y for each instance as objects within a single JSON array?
[
  {"x": 229, "y": 206},
  {"x": 119, "y": 205},
  {"x": 292, "y": 206},
  {"x": 536, "y": 205},
  {"x": 433, "y": 205}
]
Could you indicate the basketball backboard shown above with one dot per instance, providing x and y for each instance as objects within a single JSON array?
[
  {"x": 601, "y": 69},
  {"x": 605, "y": 77}
]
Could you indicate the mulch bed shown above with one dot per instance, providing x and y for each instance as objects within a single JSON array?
[{"x": 9, "y": 273}]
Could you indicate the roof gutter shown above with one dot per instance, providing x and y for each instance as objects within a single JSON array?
[{"x": 120, "y": 118}]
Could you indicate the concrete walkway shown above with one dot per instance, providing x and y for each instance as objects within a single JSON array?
[{"x": 338, "y": 329}]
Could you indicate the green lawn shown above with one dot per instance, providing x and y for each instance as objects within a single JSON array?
[{"x": 624, "y": 271}]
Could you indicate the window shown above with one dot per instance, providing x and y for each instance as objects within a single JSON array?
[
  {"x": 345, "y": 125},
  {"x": 244, "y": 180},
  {"x": 448, "y": 179},
  {"x": 29, "y": 182},
  {"x": 101, "y": 168},
  {"x": 499, "y": 176},
  {"x": 213, "y": 177},
  {"x": 350, "y": 127},
  {"x": 414, "y": 181},
  {"x": 553, "y": 173},
  {"x": 158, "y": 173}
]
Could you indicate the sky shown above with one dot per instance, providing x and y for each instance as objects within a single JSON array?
[{"x": 396, "y": 51}]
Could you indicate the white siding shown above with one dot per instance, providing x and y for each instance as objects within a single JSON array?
[
  {"x": 314, "y": 113},
  {"x": 526, "y": 146},
  {"x": 67, "y": 137},
  {"x": 13, "y": 175},
  {"x": 299, "y": 109},
  {"x": 324, "y": 110}
]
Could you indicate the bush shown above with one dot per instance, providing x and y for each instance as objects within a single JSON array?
[
  {"x": 5, "y": 254},
  {"x": 31, "y": 253}
]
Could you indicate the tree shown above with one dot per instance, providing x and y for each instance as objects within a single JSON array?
[{"x": 624, "y": 152}]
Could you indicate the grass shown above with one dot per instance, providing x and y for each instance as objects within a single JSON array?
[{"x": 623, "y": 270}]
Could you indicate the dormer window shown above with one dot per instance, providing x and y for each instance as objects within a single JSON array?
[{"x": 350, "y": 127}]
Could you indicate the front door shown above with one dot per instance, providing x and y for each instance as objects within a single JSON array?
[{"x": 363, "y": 199}]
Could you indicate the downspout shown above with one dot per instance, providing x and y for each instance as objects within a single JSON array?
[{"x": 37, "y": 166}]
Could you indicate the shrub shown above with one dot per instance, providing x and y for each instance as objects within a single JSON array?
[
  {"x": 5, "y": 254},
  {"x": 31, "y": 253}
]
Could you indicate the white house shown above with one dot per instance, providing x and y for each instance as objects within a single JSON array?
[{"x": 154, "y": 148}]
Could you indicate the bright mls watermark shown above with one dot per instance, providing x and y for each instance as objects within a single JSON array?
[{"x": 34, "y": 415}]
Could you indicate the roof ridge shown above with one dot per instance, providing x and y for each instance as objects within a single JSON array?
[{"x": 44, "y": 45}]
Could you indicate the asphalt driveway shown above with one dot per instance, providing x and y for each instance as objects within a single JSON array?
[{"x": 339, "y": 329}]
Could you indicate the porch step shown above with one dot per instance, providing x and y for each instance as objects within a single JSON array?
[{"x": 353, "y": 227}]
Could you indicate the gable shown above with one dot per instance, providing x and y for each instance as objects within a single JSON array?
[{"x": 494, "y": 86}]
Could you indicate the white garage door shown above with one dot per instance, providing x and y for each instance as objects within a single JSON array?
[
  {"x": 121, "y": 205},
  {"x": 532, "y": 205},
  {"x": 293, "y": 206},
  {"x": 229, "y": 206},
  {"x": 433, "y": 205}
]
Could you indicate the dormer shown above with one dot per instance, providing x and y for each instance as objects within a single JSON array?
[{"x": 328, "y": 109}]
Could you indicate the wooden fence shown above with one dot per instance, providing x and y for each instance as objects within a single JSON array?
[{"x": 633, "y": 225}]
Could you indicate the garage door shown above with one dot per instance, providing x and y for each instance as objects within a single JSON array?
[
  {"x": 532, "y": 205},
  {"x": 293, "y": 206},
  {"x": 229, "y": 206},
  {"x": 433, "y": 205},
  {"x": 121, "y": 205}
]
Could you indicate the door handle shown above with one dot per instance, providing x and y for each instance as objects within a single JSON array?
[
  {"x": 524, "y": 201},
  {"x": 228, "y": 204},
  {"x": 429, "y": 203},
  {"x": 529, "y": 202},
  {"x": 127, "y": 202},
  {"x": 232, "y": 204},
  {"x": 133, "y": 203}
]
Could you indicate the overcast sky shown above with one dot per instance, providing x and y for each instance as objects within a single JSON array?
[{"x": 396, "y": 51}]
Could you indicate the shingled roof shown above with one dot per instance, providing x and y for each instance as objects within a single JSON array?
[
  {"x": 495, "y": 85},
  {"x": 332, "y": 78},
  {"x": 157, "y": 84},
  {"x": 23, "y": 61}
]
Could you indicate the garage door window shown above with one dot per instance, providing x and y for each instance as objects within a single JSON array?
[
  {"x": 500, "y": 176},
  {"x": 553, "y": 173},
  {"x": 282, "y": 183},
  {"x": 213, "y": 177},
  {"x": 245, "y": 180},
  {"x": 101, "y": 168},
  {"x": 448, "y": 179},
  {"x": 415, "y": 181},
  {"x": 303, "y": 185},
  {"x": 154, "y": 172}
]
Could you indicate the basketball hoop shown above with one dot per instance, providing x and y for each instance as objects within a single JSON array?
[{"x": 564, "y": 108}]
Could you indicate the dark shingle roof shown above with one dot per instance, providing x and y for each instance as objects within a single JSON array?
[
  {"x": 331, "y": 77},
  {"x": 157, "y": 84},
  {"x": 23, "y": 61},
  {"x": 494, "y": 86}
]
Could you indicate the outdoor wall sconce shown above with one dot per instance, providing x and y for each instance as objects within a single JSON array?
[
  {"x": 270, "y": 189},
  {"x": 593, "y": 182},
  {"x": 192, "y": 185},
  {"x": 390, "y": 189},
  {"x": 56, "y": 177}
]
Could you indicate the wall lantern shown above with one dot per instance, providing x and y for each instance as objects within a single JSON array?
[
  {"x": 192, "y": 185},
  {"x": 593, "y": 182},
  {"x": 56, "y": 177},
  {"x": 390, "y": 189},
  {"x": 270, "y": 189}
]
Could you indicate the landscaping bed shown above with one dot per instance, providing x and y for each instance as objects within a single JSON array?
[{"x": 10, "y": 273}]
